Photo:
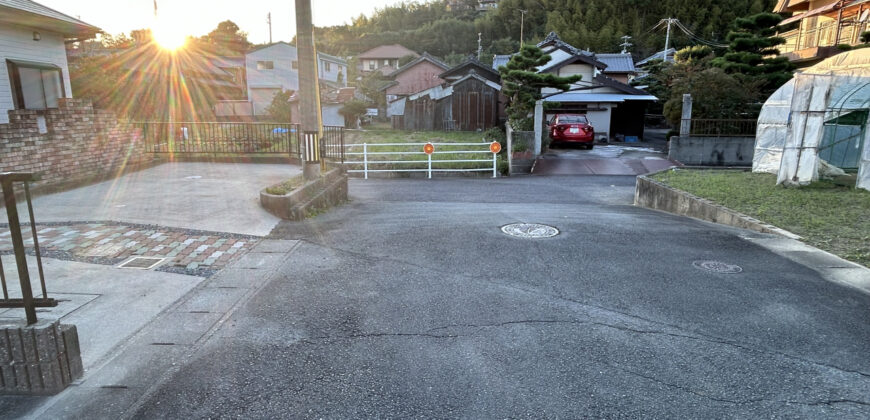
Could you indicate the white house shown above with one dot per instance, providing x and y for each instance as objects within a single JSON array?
[
  {"x": 274, "y": 67},
  {"x": 33, "y": 64}
]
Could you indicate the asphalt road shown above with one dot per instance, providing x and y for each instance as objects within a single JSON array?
[{"x": 409, "y": 302}]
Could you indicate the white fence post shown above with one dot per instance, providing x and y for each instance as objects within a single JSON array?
[
  {"x": 366, "y": 160},
  {"x": 686, "y": 117},
  {"x": 430, "y": 164},
  {"x": 509, "y": 133},
  {"x": 494, "y": 166},
  {"x": 539, "y": 126}
]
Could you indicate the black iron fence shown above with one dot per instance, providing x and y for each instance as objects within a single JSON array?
[
  {"x": 721, "y": 127},
  {"x": 332, "y": 144},
  {"x": 8, "y": 180},
  {"x": 220, "y": 138}
]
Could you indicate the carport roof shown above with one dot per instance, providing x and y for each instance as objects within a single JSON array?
[{"x": 581, "y": 97}]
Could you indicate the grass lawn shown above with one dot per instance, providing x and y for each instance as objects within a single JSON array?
[
  {"x": 828, "y": 216},
  {"x": 374, "y": 136}
]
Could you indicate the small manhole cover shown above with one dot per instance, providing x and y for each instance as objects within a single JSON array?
[
  {"x": 717, "y": 267},
  {"x": 530, "y": 230},
  {"x": 142, "y": 263}
]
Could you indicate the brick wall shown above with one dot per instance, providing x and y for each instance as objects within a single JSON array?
[{"x": 80, "y": 144}]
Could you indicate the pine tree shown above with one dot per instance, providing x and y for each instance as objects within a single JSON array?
[
  {"x": 752, "y": 52},
  {"x": 522, "y": 84}
]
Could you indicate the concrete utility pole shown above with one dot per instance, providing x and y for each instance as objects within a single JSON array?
[
  {"x": 668, "y": 38},
  {"x": 309, "y": 90},
  {"x": 269, "y": 21},
  {"x": 522, "y": 22}
]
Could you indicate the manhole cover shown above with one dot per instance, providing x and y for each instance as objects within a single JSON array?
[
  {"x": 530, "y": 230},
  {"x": 717, "y": 267},
  {"x": 142, "y": 263}
]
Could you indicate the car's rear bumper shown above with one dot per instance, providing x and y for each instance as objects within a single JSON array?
[{"x": 589, "y": 138}]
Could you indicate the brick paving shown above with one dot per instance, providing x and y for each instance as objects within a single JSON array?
[{"x": 190, "y": 252}]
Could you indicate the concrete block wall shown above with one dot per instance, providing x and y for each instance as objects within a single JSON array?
[
  {"x": 71, "y": 144},
  {"x": 40, "y": 359},
  {"x": 712, "y": 151}
]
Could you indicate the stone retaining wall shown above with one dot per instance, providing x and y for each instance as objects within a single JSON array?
[{"x": 69, "y": 145}]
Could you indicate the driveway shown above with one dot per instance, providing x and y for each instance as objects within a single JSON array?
[
  {"x": 607, "y": 159},
  {"x": 411, "y": 302},
  {"x": 216, "y": 197}
]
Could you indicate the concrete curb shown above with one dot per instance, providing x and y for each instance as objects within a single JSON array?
[
  {"x": 655, "y": 195},
  {"x": 328, "y": 190}
]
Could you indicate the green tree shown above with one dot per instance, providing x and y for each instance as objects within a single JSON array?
[
  {"x": 280, "y": 109},
  {"x": 752, "y": 53},
  {"x": 522, "y": 84},
  {"x": 352, "y": 110},
  {"x": 226, "y": 39}
]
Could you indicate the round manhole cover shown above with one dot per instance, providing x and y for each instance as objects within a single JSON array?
[
  {"x": 530, "y": 230},
  {"x": 717, "y": 267}
]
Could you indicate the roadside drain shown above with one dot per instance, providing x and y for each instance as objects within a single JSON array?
[
  {"x": 717, "y": 267},
  {"x": 142, "y": 263},
  {"x": 530, "y": 230}
]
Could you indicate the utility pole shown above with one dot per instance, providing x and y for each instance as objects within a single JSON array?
[
  {"x": 668, "y": 39},
  {"x": 522, "y": 22},
  {"x": 309, "y": 91},
  {"x": 625, "y": 44},
  {"x": 479, "y": 45},
  {"x": 269, "y": 21}
]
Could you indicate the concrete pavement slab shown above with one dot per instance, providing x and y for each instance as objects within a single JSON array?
[
  {"x": 174, "y": 328},
  {"x": 107, "y": 304},
  {"x": 218, "y": 197}
]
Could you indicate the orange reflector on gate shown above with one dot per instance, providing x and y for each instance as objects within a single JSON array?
[
  {"x": 428, "y": 148},
  {"x": 495, "y": 147}
]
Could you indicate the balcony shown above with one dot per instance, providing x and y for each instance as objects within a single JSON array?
[{"x": 821, "y": 42}]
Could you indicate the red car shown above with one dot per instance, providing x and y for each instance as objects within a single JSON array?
[{"x": 572, "y": 128}]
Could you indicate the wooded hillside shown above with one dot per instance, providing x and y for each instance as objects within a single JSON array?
[{"x": 446, "y": 28}]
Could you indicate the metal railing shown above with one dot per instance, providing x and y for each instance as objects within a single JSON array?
[
  {"x": 332, "y": 144},
  {"x": 721, "y": 127},
  {"x": 413, "y": 157},
  {"x": 828, "y": 34},
  {"x": 220, "y": 138},
  {"x": 27, "y": 301}
]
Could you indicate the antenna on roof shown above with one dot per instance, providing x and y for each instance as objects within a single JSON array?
[
  {"x": 625, "y": 44},
  {"x": 479, "y": 45},
  {"x": 155, "y": 8}
]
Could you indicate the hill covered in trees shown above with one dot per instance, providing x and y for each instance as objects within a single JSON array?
[{"x": 450, "y": 28}]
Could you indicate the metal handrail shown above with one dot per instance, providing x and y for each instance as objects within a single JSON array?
[{"x": 27, "y": 301}]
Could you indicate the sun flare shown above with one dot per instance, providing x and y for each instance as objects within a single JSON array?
[{"x": 168, "y": 37}]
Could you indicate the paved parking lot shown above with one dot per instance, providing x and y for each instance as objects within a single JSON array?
[{"x": 216, "y": 197}]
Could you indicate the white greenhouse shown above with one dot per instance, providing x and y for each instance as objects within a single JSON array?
[{"x": 821, "y": 114}]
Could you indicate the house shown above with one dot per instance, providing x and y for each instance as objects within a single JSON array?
[
  {"x": 469, "y": 100},
  {"x": 613, "y": 108},
  {"x": 486, "y": 5},
  {"x": 34, "y": 73},
  {"x": 416, "y": 76},
  {"x": 669, "y": 53},
  {"x": 383, "y": 58},
  {"x": 275, "y": 67},
  {"x": 817, "y": 27},
  {"x": 620, "y": 67}
]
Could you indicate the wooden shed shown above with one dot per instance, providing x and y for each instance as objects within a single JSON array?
[{"x": 468, "y": 104}]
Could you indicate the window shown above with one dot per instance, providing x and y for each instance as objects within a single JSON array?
[
  {"x": 386, "y": 62},
  {"x": 371, "y": 65},
  {"x": 326, "y": 65},
  {"x": 265, "y": 65},
  {"x": 294, "y": 65},
  {"x": 35, "y": 85}
]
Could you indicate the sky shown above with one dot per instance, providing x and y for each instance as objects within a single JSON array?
[{"x": 198, "y": 17}]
